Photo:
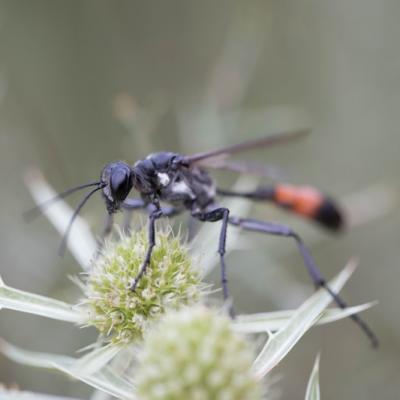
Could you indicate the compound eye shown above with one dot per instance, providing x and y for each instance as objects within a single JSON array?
[{"x": 120, "y": 184}]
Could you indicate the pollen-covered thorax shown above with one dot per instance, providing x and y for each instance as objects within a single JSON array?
[{"x": 170, "y": 281}]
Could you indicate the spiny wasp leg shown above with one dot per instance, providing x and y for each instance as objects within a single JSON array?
[
  {"x": 138, "y": 204},
  {"x": 314, "y": 272},
  {"x": 219, "y": 214},
  {"x": 152, "y": 242},
  {"x": 108, "y": 224},
  {"x": 156, "y": 213},
  {"x": 129, "y": 205},
  {"x": 133, "y": 204}
]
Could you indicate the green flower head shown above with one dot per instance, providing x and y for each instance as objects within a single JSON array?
[
  {"x": 170, "y": 281},
  {"x": 194, "y": 354}
]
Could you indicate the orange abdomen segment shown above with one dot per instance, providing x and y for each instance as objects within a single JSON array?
[
  {"x": 310, "y": 203},
  {"x": 303, "y": 200}
]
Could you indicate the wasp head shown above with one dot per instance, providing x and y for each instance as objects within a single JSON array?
[{"x": 117, "y": 181}]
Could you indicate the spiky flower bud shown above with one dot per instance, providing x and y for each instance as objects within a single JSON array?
[
  {"x": 194, "y": 354},
  {"x": 169, "y": 282}
]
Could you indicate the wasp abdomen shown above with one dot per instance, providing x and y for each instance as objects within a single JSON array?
[{"x": 310, "y": 203}]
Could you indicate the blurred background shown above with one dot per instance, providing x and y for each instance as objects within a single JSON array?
[{"x": 86, "y": 82}]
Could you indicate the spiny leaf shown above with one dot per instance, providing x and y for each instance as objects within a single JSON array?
[
  {"x": 103, "y": 379},
  {"x": 18, "y": 395},
  {"x": 313, "y": 392},
  {"x": 275, "y": 320},
  {"x": 19, "y": 300},
  {"x": 31, "y": 358},
  {"x": 100, "y": 395},
  {"x": 97, "y": 359},
  {"x": 279, "y": 345}
]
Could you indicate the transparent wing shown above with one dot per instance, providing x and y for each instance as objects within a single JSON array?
[
  {"x": 213, "y": 158},
  {"x": 244, "y": 167}
]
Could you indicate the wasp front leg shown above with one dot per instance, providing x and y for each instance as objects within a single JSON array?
[
  {"x": 138, "y": 204},
  {"x": 156, "y": 214},
  {"x": 129, "y": 205},
  {"x": 108, "y": 224}
]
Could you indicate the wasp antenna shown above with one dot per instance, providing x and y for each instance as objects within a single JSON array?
[
  {"x": 63, "y": 244},
  {"x": 35, "y": 212}
]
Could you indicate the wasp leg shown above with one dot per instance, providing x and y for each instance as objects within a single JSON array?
[
  {"x": 107, "y": 227},
  {"x": 261, "y": 193},
  {"x": 315, "y": 273},
  {"x": 128, "y": 206},
  {"x": 219, "y": 214},
  {"x": 105, "y": 233},
  {"x": 167, "y": 211},
  {"x": 152, "y": 242},
  {"x": 134, "y": 204}
]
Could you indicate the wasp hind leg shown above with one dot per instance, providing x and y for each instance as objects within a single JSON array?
[{"x": 314, "y": 272}]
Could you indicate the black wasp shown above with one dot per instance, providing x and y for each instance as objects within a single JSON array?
[{"x": 170, "y": 183}]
